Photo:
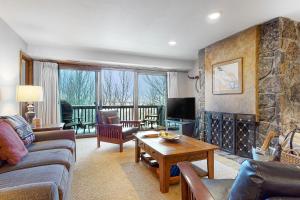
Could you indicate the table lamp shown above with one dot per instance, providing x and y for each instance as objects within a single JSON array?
[{"x": 29, "y": 94}]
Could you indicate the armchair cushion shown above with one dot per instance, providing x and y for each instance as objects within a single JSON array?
[
  {"x": 219, "y": 189},
  {"x": 113, "y": 120},
  {"x": 262, "y": 180},
  {"x": 129, "y": 131},
  {"x": 102, "y": 116}
]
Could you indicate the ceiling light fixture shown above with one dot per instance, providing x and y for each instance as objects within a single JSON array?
[
  {"x": 172, "y": 43},
  {"x": 214, "y": 15}
]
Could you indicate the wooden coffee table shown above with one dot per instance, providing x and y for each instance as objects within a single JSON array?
[{"x": 169, "y": 153}]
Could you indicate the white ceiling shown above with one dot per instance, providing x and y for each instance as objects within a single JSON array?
[{"x": 138, "y": 26}]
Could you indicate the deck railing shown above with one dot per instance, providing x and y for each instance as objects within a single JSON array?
[{"x": 87, "y": 113}]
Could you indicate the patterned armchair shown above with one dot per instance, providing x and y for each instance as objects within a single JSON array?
[{"x": 110, "y": 129}]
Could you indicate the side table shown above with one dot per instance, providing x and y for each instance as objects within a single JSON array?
[{"x": 48, "y": 127}]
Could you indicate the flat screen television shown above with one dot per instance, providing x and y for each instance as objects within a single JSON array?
[{"x": 181, "y": 108}]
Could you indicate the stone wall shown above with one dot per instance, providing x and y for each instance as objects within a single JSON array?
[
  {"x": 289, "y": 75},
  {"x": 200, "y": 97},
  {"x": 279, "y": 76},
  {"x": 270, "y": 57}
]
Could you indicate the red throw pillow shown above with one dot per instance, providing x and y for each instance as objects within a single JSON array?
[{"x": 12, "y": 148}]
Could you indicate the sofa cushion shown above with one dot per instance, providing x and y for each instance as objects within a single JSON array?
[
  {"x": 12, "y": 148},
  {"x": 262, "y": 180},
  {"x": 34, "y": 191},
  {"x": 41, "y": 158},
  {"x": 52, "y": 144},
  {"x": 21, "y": 127},
  {"x": 57, "y": 174},
  {"x": 219, "y": 188},
  {"x": 128, "y": 131}
]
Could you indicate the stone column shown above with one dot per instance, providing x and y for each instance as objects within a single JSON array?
[
  {"x": 289, "y": 74},
  {"x": 200, "y": 95},
  {"x": 278, "y": 77},
  {"x": 268, "y": 80}
]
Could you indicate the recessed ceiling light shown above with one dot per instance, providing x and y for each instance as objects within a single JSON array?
[
  {"x": 172, "y": 43},
  {"x": 214, "y": 15}
]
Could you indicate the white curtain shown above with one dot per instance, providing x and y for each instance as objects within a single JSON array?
[
  {"x": 46, "y": 75},
  {"x": 172, "y": 84}
]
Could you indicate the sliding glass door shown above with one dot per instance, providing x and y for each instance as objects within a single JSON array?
[
  {"x": 152, "y": 94},
  {"x": 118, "y": 92},
  {"x": 78, "y": 90},
  {"x": 136, "y": 95}
]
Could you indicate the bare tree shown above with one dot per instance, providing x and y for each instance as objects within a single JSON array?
[
  {"x": 156, "y": 94},
  {"x": 117, "y": 87},
  {"x": 77, "y": 87},
  {"x": 122, "y": 88},
  {"x": 108, "y": 96}
]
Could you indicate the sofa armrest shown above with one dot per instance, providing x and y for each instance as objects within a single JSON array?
[
  {"x": 54, "y": 135},
  {"x": 34, "y": 191},
  {"x": 191, "y": 184}
]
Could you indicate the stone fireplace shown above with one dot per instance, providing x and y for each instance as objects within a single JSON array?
[{"x": 271, "y": 91}]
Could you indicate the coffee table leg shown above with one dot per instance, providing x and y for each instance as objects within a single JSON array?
[
  {"x": 210, "y": 164},
  {"x": 164, "y": 174},
  {"x": 137, "y": 151}
]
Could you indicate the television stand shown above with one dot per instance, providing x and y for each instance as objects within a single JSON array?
[{"x": 183, "y": 127}]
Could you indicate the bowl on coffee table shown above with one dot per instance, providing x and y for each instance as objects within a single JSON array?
[{"x": 170, "y": 137}]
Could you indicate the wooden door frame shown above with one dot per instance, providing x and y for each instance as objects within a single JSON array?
[{"x": 28, "y": 68}]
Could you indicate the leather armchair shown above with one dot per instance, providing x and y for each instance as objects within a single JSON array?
[{"x": 255, "y": 181}]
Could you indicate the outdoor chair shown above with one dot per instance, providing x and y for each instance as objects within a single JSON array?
[
  {"x": 152, "y": 118},
  {"x": 110, "y": 129},
  {"x": 67, "y": 117}
]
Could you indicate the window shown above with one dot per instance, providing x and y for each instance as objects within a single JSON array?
[
  {"x": 77, "y": 86},
  {"x": 117, "y": 88}
]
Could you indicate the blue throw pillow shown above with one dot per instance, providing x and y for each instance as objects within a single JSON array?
[{"x": 21, "y": 127}]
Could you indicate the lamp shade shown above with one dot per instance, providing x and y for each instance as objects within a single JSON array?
[{"x": 29, "y": 93}]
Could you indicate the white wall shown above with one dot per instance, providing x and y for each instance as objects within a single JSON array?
[
  {"x": 110, "y": 57},
  {"x": 10, "y": 46},
  {"x": 180, "y": 86},
  {"x": 185, "y": 85}
]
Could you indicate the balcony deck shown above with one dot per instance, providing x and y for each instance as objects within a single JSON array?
[{"x": 87, "y": 115}]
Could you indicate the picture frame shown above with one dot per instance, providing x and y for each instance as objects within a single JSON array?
[{"x": 227, "y": 77}]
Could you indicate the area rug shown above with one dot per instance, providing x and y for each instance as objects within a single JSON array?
[{"x": 107, "y": 174}]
